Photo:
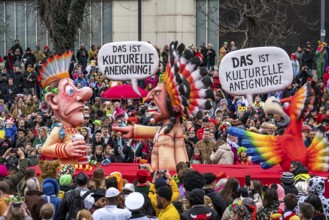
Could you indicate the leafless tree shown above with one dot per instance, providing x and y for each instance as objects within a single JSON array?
[
  {"x": 62, "y": 18},
  {"x": 264, "y": 20}
]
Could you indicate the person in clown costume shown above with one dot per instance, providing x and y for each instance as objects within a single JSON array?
[{"x": 66, "y": 101}]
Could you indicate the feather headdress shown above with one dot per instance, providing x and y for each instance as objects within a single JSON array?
[
  {"x": 187, "y": 84},
  {"x": 55, "y": 68}
]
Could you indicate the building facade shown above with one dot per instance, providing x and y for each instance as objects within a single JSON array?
[
  {"x": 110, "y": 20},
  {"x": 194, "y": 22}
]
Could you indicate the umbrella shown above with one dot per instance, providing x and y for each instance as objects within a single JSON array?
[{"x": 123, "y": 92}]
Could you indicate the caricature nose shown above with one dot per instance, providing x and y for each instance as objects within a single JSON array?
[
  {"x": 149, "y": 96},
  {"x": 84, "y": 94}
]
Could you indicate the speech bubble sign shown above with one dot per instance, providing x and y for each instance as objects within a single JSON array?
[
  {"x": 256, "y": 70},
  {"x": 128, "y": 60}
]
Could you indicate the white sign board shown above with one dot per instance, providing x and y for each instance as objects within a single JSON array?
[
  {"x": 256, "y": 70},
  {"x": 130, "y": 60}
]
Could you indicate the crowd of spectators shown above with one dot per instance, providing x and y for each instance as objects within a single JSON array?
[{"x": 26, "y": 120}]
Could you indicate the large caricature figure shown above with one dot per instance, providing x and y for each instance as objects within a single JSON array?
[
  {"x": 184, "y": 91},
  {"x": 66, "y": 101},
  {"x": 271, "y": 150}
]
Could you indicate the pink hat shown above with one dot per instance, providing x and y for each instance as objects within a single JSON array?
[
  {"x": 10, "y": 121},
  {"x": 3, "y": 171},
  {"x": 119, "y": 112}
]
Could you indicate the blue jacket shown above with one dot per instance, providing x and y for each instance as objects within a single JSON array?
[{"x": 50, "y": 188}]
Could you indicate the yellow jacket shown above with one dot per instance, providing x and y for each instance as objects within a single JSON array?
[
  {"x": 3, "y": 205},
  {"x": 152, "y": 195},
  {"x": 169, "y": 213}
]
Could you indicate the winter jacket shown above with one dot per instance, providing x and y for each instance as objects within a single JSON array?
[
  {"x": 152, "y": 195},
  {"x": 26, "y": 80},
  {"x": 223, "y": 155},
  {"x": 290, "y": 189},
  {"x": 34, "y": 203},
  {"x": 50, "y": 189},
  {"x": 206, "y": 148},
  {"x": 169, "y": 213},
  {"x": 16, "y": 178},
  {"x": 300, "y": 173},
  {"x": 200, "y": 212},
  {"x": 3, "y": 205},
  {"x": 68, "y": 201},
  {"x": 217, "y": 201},
  {"x": 316, "y": 185},
  {"x": 307, "y": 59},
  {"x": 18, "y": 81}
]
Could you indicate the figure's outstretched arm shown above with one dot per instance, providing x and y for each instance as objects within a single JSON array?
[{"x": 137, "y": 131}]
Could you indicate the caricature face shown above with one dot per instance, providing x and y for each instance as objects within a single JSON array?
[
  {"x": 158, "y": 95},
  {"x": 68, "y": 103}
]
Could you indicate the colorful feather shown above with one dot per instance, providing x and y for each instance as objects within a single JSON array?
[
  {"x": 264, "y": 149},
  {"x": 55, "y": 68},
  {"x": 318, "y": 153},
  {"x": 302, "y": 102},
  {"x": 186, "y": 84}
]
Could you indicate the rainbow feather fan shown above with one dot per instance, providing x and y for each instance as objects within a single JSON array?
[
  {"x": 318, "y": 153},
  {"x": 264, "y": 149},
  {"x": 55, "y": 68}
]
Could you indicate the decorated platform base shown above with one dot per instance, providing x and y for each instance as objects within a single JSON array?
[{"x": 272, "y": 175}]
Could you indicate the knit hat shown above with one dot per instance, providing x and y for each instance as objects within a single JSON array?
[
  {"x": 223, "y": 101},
  {"x": 160, "y": 182},
  {"x": 119, "y": 178},
  {"x": 165, "y": 192},
  {"x": 141, "y": 176},
  {"x": 3, "y": 171},
  {"x": 65, "y": 180},
  {"x": 241, "y": 211},
  {"x": 98, "y": 122},
  {"x": 197, "y": 150},
  {"x": 66, "y": 169},
  {"x": 50, "y": 186},
  {"x": 287, "y": 178},
  {"x": 196, "y": 196},
  {"x": 10, "y": 121}
]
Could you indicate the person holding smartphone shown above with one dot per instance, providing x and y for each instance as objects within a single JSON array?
[
  {"x": 16, "y": 210},
  {"x": 162, "y": 178}
]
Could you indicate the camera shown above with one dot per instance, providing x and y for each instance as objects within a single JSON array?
[
  {"x": 162, "y": 172},
  {"x": 248, "y": 181},
  {"x": 13, "y": 150},
  {"x": 17, "y": 204},
  {"x": 142, "y": 166}
]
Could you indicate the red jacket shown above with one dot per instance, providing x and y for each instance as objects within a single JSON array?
[
  {"x": 320, "y": 117},
  {"x": 246, "y": 162}
]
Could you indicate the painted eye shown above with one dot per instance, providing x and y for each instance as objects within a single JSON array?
[{"x": 69, "y": 90}]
